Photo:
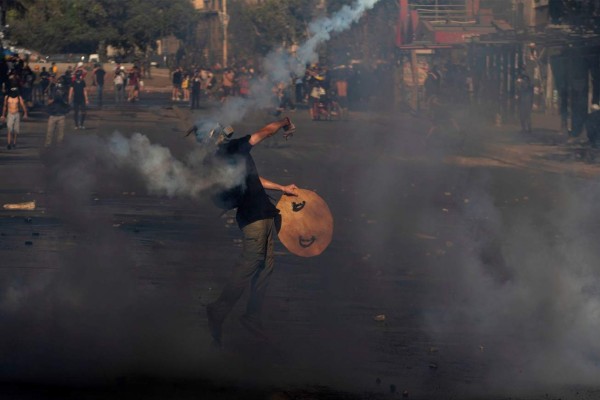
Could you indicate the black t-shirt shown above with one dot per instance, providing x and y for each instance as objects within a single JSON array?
[
  {"x": 177, "y": 77},
  {"x": 78, "y": 88},
  {"x": 255, "y": 204},
  {"x": 100, "y": 76},
  {"x": 57, "y": 108}
]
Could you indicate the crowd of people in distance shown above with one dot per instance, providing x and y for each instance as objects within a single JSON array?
[
  {"x": 216, "y": 84},
  {"x": 58, "y": 92},
  {"x": 327, "y": 92}
]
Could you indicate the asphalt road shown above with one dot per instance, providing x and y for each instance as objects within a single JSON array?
[{"x": 462, "y": 266}]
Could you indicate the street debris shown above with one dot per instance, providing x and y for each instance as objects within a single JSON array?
[
  {"x": 405, "y": 393},
  {"x": 445, "y": 210},
  {"x": 29, "y": 205},
  {"x": 425, "y": 236},
  {"x": 379, "y": 318},
  {"x": 28, "y": 243},
  {"x": 447, "y": 194},
  {"x": 433, "y": 365}
]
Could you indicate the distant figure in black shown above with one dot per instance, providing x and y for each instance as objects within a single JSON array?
[
  {"x": 524, "y": 97},
  {"x": 432, "y": 84},
  {"x": 592, "y": 126}
]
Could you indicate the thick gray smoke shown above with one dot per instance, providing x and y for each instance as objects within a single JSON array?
[
  {"x": 526, "y": 288},
  {"x": 165, "y": 175}
]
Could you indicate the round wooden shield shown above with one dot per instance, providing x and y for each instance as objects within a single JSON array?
[{"x": 306, "y": 223}]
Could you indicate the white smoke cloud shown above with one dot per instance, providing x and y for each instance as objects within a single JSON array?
[
  {"x": 95, "y": 162},
  {"x": 529, "y": 299},
  {"x": 322, "y": 28}
]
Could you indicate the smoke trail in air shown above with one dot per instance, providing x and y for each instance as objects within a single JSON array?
[
  {"x": 279, "y": 65},
  {"x": 163, "y": 174}
]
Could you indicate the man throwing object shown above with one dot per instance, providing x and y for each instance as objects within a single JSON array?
[{"x": 255, "y": 217}]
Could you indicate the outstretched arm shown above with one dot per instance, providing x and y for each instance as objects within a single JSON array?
[
  {"x": 23, "y": 106},
  {"x": 269, "y": 130},
  {"x": 289, "y": 189}
]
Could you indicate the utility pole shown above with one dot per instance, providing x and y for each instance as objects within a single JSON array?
[{"x": 225, "y": 22}]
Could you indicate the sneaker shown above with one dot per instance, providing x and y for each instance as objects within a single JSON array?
[
  {"x": 82, "y": 127},
  {"x": 8, "y": 146},
  {"x": 76, "y": 127},
  {"x": 254, "y": 327},
  {"x": 214, "y": 325}
]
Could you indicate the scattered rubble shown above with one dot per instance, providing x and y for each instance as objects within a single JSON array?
[
  {"x": 29, "y": 205},
  {"x": 425, "y": 236}
]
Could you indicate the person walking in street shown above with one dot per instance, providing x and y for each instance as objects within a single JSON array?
[
  {"x": 11, "y": 113},
  {"x": 227, "y": 82},
  {"x": 79, "y": 98},
  {"x": 176, "y": 79},
  {"x": 57, "y": 110},
  {"x": 592, "y": 126},
  {"x": 256, "y": 218},
  {"x": 119, "y": 84},
  {"x": 524, "y": 97},
  {"x": 341, "y": 95},
  {"x": 196, "y": 88},
  {"x": 99, "y": 74},
  {"x": 134, "y": 83}
]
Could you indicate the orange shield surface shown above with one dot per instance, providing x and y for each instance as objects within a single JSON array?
[{"x": 306, "y": 223}]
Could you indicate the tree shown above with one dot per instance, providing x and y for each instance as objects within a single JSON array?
[
  {"x": 257, "y": 29},
  {"x": 80, "y": 26}
]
